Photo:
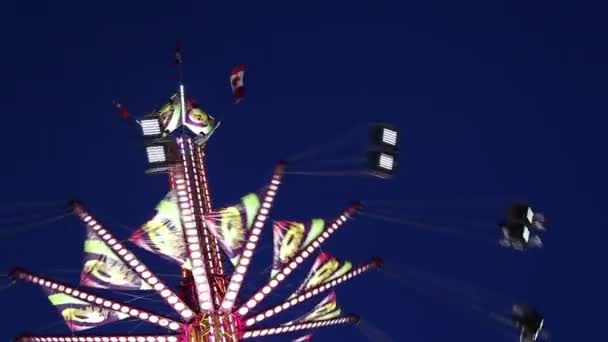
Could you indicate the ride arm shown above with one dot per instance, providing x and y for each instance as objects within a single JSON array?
[
  {"x": 252, "y": 302},
  {"x": 129, "y": 259},
  {"x": 96, "y": 300},
  {"x": 254, "y": 236},
  {"x": 106, "y": 338},
  {"x": 346, "y": 319},
  {"x": 295, "y": 300}
]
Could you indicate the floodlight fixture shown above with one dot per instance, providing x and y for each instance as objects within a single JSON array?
[
  {"x": 150, "y": 126},
  {"x": 384, "y": 136},
  {"x": 161, "y": 156},
  {"x": 382, "y": 164}
]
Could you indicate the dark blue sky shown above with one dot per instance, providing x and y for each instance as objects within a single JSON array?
[{"x": 494, "y": 101}]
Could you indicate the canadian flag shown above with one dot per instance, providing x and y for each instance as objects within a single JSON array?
[
  {"x": 236, "y": 82},
  {"x": 122, "y": 110}
]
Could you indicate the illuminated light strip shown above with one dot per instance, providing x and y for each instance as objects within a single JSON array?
[
  {"x": 171, "y": 180},
  {"x": 346, "y": 319},
  {"x": 98, "y": 301},
  {"x": 113, "y": 338},
  {"x": 193, "y": 243},
  {"x": 207, "y": 204},
  {"x": 298, "y": 260},
  {"x": 221, "y": 328},
  {"x": 374, "y": 263},
  {"x": 131, "y": 261},
  {"x": 209, "y": 259},
  {"x": 206, "y": 193},
  {"x": 182, "y": 103},
  {"x": 232, "y": 327},
  {"x": 218, "y": 268},
  {"x": 211, "y": 326},
  {"x": 254, "y": 236}
]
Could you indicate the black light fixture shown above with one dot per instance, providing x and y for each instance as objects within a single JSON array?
[
  {"x": 161, "y": 156},
  {"x": 383, "y": 150},
  {"x": 384, "y": 136},
  {"x": 150, "y": 126},
  {"x": 160, "y": 149},
  {"x": 382, "y": 164}
]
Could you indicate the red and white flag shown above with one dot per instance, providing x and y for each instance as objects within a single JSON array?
[
  {"x": 122, "y": 110},
  {"x": 236, "y": 82}
]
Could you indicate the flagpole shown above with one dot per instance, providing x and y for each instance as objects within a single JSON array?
[
  {"x": 200, "y": 138},
  {"x": 182, "y": 96}
]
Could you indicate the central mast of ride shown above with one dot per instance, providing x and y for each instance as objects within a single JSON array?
[{"x": 204, "y": 285}]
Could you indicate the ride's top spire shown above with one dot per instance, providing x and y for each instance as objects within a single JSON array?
[
  {"x": 192, "y": 115},
  {"x": 182, "y": 95}
]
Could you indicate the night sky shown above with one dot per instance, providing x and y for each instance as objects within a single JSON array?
[{"x": 494, "y": 102}]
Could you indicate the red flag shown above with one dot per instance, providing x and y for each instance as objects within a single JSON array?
[
  {"x": 122, "y": 110},
  {"x": 236, "y": 82}
]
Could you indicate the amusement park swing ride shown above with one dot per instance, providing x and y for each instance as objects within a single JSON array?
[
  {"x": 209, "y": 305},
  {"x": 188, "y": 230}
]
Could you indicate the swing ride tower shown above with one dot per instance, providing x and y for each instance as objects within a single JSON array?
[{"x": 214, "y": 247}]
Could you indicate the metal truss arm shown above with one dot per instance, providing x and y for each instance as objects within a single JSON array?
[
  {"x": 96, "y": 300},
  {"x": 298, "y": 260},
  {"x": 183, "y": 184},
  {"x": 254, "y": 236},
  {"x": 200, "y": 153},
  {"x": 131, "y": 261},
  {"x": 206, "y": 206},
  {"x": 108, "y": 338},
  {"x": 346, "y": 319},
  {"x": 374, "y": 263}
]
